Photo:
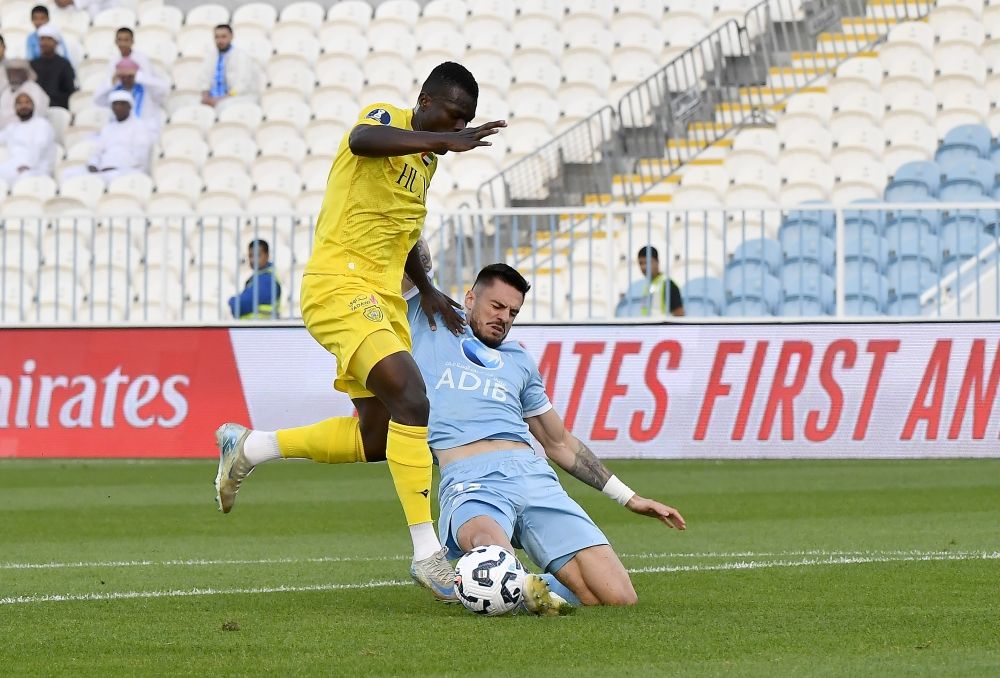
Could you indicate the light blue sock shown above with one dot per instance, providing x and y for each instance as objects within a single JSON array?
[{"x": 559, "y": 588}]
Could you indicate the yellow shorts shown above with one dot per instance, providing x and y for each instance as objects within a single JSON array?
[{"x": 359, "y": 323}]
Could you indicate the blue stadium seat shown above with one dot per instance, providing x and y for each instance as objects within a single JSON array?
[
  {"x": 863, "y": 245},
  {"x": 963, "y": 238},
  {"x": 761, "y": 250},
  {"x": 962, "y": 144},
  {"x": 861, "y": 281},
  {"x": 752, "y": 280},
  {"x": 707, "y": 291},
  {"x": 825, "y": 219},
  {"x": 800, "y": 243},
  {"x": 870, "y": 219},
  {"x": 699, "y": 308},
  {"x": 930, "y": 219},
  {"x": 910, "y": 277},
  {"x": 914, "y": 178},
  {"x": 800, "y": 281},
  {"x": 969, "y": 181},
  {"x": 861, "y": 306},
  {"x": 909, "y": 240},
  {"x": 995, "y": 155},
  {"x": 801, "y": 307},
  {"x": 908, "y": 306},
  {"x": 747, "y": 308}
]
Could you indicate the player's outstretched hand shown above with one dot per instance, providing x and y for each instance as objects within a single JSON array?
[
  {"x": 441, "y": 303},
  {"x": 668, "y": 515},
  {"x": 472, "y": 137}
]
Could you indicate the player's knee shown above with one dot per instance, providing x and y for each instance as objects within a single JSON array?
[
  {"x": 620, "y": 594},
  {"x": 411, "y": 407}
]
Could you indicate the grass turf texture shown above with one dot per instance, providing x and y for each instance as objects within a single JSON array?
[{"x": 698, "y": 615}]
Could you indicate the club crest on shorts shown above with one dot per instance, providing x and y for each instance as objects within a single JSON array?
[
  {"x": 479, "y": 354},
  {"x": 374, "y": 313},
  {"x": 381, "y": 115}
]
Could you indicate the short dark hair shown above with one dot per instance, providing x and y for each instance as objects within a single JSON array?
[
  {"x": 648, "y": 252},
  {"x": 259, "y": 243},
  {"x": 39, "y": 9},
  {"x": 505, "y": 273},
  {"x": 448, "y": 75},
  {"x": 125, "y": 29},
  {"x": 225, "y": 27}
]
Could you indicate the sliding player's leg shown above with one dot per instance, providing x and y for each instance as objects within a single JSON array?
[
  {"x": 563, "y": 540},
  {"x": 479, "y": 508},
  {"x": 597, "y": 577}
]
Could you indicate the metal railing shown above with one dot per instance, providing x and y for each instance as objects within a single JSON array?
[
  {"x": 914, "y": 260},
  {"x": 739, "y": 74}
]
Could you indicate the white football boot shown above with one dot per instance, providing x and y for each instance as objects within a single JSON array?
[
  {"x": 436, "y": 574},
  {"x": 233, "y": 464}
]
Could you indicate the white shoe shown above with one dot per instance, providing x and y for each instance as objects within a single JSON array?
[
  {"x": 436, "y": 574},
  {"x": 539, "y": 599},
  {"x": 233, "y": 464}
]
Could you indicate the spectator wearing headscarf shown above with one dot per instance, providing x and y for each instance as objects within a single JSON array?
[
  {"x": 149, "y": 92},
  {"x": 30, "y": 142},
  {"x": 55, "y": 73},
  {"x": 20, "y": 78},
  {"x": 124, "y": 143}
]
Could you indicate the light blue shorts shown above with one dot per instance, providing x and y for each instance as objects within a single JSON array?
[{"x": 521, "y": 492}]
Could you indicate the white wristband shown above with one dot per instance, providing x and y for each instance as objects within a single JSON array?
[{"x": 618, "y": 490}]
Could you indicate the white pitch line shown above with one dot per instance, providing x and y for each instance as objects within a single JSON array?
[
  {"x": 198, "y": 562},
  {"x": 812, "y": 562},
  {"x": 742, "y": 565}
]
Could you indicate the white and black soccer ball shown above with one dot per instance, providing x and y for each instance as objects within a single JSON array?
[{"x": 489, "y": 580}]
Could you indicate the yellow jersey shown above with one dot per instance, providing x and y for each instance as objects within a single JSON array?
[{"x": 374, "y": 208}]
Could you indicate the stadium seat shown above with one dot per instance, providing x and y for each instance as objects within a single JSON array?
[
  {"x": 206, "y": 16},
  {"x": 754, "y": 147},
  {"x": 968, "y": 181},
  {"x": 960, "y": 74},
  {"x": 708, "y": 291},
  {"x": 906, "y": 307},
  {"x": 863, "y": 109},
  {"x": 964, "y": 143},
  {"x": 908, "y": 142},
  {"x": 802, "y": 282},
  {"x": 752, "y": 280},
  {"x": 855, "y": 77},
  {"x": 812, "y": 181},
  {"x": 863, "y": 283},
  {"x": 860, "y": 143},
  {"x": 910, "y": 278},
  {"x": 259, "y": 15},
  {"x": 86, "y": 188},
  {"x": 915, "y": 105},
  {"x": 762, "y": 251},
  {"x": 963, "y": 237},
  {"x": 914, "y": 181},
  {"x": 357, "y": 13},
  {"x": 806, "y": 243},
  {"x": 911, "y": 240},
  {"x": 963, "y": 107},
  {"x": 859, "y": 180},
  {"x": 904, "y": 74},
  {"x": 306, "y": 13},
  {"x": 908, "y": 39},
  {"x": 747, "y": 308}
]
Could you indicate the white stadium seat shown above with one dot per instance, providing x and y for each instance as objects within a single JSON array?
[
  {"x": 865, "y": 108},
  {"x": 857, "y": 144},
  {"x": 862, "y": 180},
  {"x": 254, "y": 14},
  {"x": 114, "y": 18},
  {"x": 962, "y": 107},
  {"x": 165, "y": 17},
  {"x": 907, "y": 142},
  {"x": 87, "y": 188},
  {"x": 206, "y": 16},
  {"x": 306, "y": 13},
  {"x": 805, "y": 182},
  {"x": 403, "y": 12}
]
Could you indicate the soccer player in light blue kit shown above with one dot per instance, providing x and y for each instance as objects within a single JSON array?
[{"x": 486, "y": 397}]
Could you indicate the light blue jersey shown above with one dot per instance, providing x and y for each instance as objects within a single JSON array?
[{"x": 475, "y": 392}]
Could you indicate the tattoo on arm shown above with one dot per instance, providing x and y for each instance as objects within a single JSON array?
[{"x": 587, "y": 468}]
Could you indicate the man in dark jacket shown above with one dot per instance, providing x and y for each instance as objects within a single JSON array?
[{"x": 55, "y": 74}]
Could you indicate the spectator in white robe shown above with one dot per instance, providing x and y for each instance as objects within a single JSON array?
[
  {"x": 124, "y": 143},
  {"x": 149, "y": 92},
  {"x": 93, "y": 7},
  {"x": 20, "y": 78},
  {"x": 30, "y": 142}
]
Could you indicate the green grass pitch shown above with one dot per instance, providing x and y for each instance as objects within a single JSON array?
[{"x": 825, "y": 568}]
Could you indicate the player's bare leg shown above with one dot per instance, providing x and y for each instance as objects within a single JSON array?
[
  {"x": 597, "y": 577},
  {"x": 396, "y": 381},
  {"x": 538, "y": 598}
]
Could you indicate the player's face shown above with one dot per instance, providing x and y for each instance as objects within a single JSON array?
[
  {"x": 491, "y": 310},
  {"x": 449, "y": 112}
]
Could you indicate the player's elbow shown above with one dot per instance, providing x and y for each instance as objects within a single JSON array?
[{"x": 360, "y": 141}]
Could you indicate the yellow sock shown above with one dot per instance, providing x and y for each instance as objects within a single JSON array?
[
  {"x": 331, "y": 441},
  {"x": 410, "y": 464}
]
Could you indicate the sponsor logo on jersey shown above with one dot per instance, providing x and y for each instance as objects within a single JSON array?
[
  {"x": 479, "y": 354},
  {"x": 381, "y": 115}
]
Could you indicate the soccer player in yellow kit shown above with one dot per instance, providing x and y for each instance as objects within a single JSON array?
[{"x": 366, "y": 234}]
